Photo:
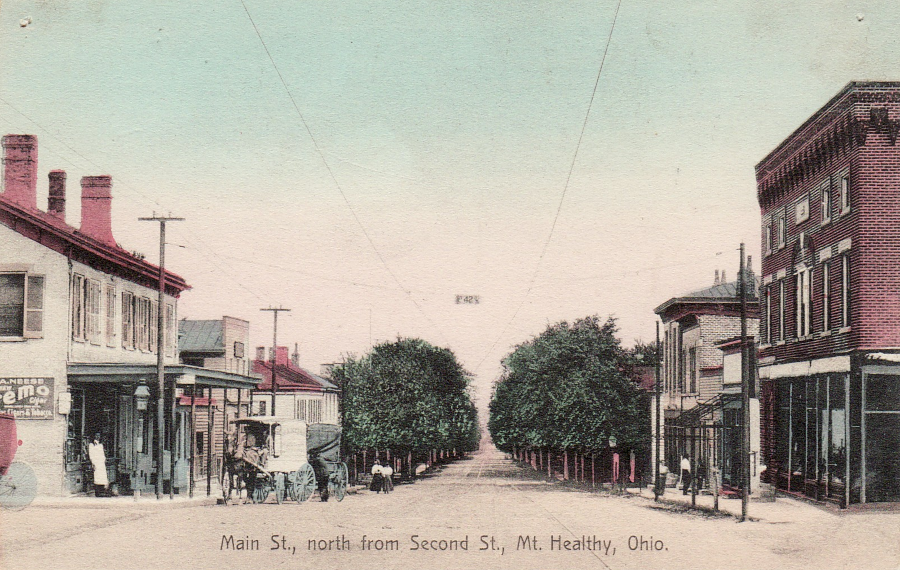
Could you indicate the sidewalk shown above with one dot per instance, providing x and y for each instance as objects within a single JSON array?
[
  {"x": 781, "y": 510},
  {"x": 124, "y": 502}
]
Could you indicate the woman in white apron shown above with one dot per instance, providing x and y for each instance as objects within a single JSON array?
[{"x": 97, "y": 455}]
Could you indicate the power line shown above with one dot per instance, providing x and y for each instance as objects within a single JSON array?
[
  {"x": 332, "y": 175},
  {"x": 565, "y": 189}
]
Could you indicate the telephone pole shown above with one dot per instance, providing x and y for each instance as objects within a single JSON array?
[
  {"x": 275, "y": 312},
  {"x": 745, "y": 392},
  {"x": 160, "y": 354}
]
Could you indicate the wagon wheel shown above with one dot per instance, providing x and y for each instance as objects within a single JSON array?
[
  {"x": 280, "y": 490},
  {"x": 338, "y": 483},
  {"x": 305, "y": 482},
  {"x": 18, "y": 487},
  {"x": 260, "y": 491}
]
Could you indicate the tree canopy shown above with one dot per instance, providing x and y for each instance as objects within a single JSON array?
[
  {"x": 406, "y": 395},
  {"x": 568, "y": 388}
]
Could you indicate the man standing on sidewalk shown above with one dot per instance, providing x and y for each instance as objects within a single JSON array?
[{"x": 685, "y": 474}]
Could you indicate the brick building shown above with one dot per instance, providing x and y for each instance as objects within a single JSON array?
[
  {"x": 829, "y": 358},
  {"x": 695, "y": 394}
]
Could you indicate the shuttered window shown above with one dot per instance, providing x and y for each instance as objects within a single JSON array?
[{"x": 21, "y": 305}]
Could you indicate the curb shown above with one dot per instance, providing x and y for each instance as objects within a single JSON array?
[{"x": 125, "y": 503}]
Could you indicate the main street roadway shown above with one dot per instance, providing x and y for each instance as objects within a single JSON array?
[{"x": 483, "y": 512}]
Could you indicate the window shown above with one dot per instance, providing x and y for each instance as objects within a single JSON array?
[
  {"x": 780, "y": 229},
  {"x": 768, "y": 336},
  {"x": 153, "y": 330},
  {"x": 78, "y": 307},
  {"x": 21, "y": 305},
  {"x": 845, "y": 193},
  {"x": 692, "y": 371},
  {"x": 92, "y": 311},
  {"x": 826, "y": 202},
  {"x": 803, "y": 279},
  {"x": 826, "y": 297},
  {"x": 768, "y": 244},
  {"x": 127, "y": 320},
  {"x": 238, "y": 348},
  {"x": 845, "y": 291},
  {"x": 171, "y": 337},
  {"x": 781, "y": 300},
  {"x": 110, "y": 315}
]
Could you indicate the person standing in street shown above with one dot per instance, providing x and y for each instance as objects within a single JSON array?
[
  {"x": 387, "y": 472},
  {"x": 97, "y": 456},
  {"x": 377, "y": 477},
  {"x": 685, "y": 475}
]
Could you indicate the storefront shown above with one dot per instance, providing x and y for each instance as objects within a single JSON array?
[{"x": 120, "y": 402}]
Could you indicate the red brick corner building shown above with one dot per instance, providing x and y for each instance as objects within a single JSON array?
[{"x": 829, "y": 361}]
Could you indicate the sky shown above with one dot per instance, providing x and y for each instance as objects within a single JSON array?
[{"x": 398, "y": 154}]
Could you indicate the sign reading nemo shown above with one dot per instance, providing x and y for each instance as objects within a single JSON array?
[{"x": 27, "y": 398}]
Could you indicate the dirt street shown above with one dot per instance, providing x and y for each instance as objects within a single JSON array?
[{"x": 483, "y": 512}]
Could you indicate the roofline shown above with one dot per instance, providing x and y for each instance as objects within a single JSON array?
[
  {"x": 847, "y": 89},
  {"x": 73, "y": 237},
  {"x": 699, "y": 301}
]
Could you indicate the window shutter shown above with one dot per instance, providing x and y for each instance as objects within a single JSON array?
[{"x": 34, "y": 307}]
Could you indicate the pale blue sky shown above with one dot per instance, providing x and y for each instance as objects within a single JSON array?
[{"x": 450, "y": 127}]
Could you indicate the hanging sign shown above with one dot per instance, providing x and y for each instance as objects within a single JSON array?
[{"x": 27, "y": 398}]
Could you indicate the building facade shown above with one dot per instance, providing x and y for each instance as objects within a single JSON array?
[
  {"x": 78, "y": 337},
  {"x": 299, "y": 394},
  {"x": 830, "y": 333},
  {"x": 700, "y": 407}
]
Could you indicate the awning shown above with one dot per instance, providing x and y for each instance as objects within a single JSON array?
[
  {"x": 694, "y": 417},
  {"x": 181, "y": 374}
]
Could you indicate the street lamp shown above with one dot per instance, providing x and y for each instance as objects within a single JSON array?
[{"x": 141, "y": 397}]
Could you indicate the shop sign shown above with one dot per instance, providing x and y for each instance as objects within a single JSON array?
[{"x": 27, "y": 398}]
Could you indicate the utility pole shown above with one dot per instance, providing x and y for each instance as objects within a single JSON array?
[
  {"x": 275, "y": 312},
  {"x": 745, "y": 393},
  {"x": 659, "y": 424},
  {"x": 160, "y": 354}
]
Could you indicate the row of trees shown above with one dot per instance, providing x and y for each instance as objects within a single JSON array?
[
  {"x": 408, "y": 397},
  {"x": 570, "y": 389}
]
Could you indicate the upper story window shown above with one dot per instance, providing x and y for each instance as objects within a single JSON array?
[
  {"x": 826, "y": 202},
  {"x": 128, "y": 340},
  {"x": 801, "y": 210},
  {"x": 692, "y": 370},
  {"x": 768, "y": 336},
  {"x": 768, "y": 238},
  {"x": 845, "y": 192},
  {"x": 781, "y": 303},
  {"x": 803, "y": 304},
  {"x": 845, "y": 290},
  {"x": 85, "y": 309},
  {"x": 780, "y": 229},
  {"x": 826, "y": 297},
  {"x": 110, "y": 315},
  {"x": 21, "y": 305}
]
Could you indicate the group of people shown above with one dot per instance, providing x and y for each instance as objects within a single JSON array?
[
  {"x": 686, "y": 477},
  {"x": 382, "y": 477}
]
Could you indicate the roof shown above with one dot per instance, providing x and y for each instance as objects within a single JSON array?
[
  {"x": 200, "y": 336},
  {"x": 55, "y": 234},
  {"x": 290, "y": 378},
  {"x": 724, "y": 292}
]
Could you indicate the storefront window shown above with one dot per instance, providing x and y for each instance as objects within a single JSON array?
[{"x": 835, "y": 437}]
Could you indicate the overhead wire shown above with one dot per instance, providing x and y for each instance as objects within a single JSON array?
[
  {"x": 562, "y": 196},
  {"x": 334, "y": 179}
]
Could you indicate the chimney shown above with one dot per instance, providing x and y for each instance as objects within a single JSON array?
[
  {"x": 20, "y": 169},
  {"x": 722, "y": 278},
  {"x": 56, "y": 202},
  {"x": 96, "y": 208},
  {"x": 295, "y": 357},
  {"x": 260, "y": 353},
  {"x": 281, "y": 356},
  {"x": 716, "y": 282}
]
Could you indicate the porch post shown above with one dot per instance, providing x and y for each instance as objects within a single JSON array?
[
  {"x": 193, "y": 437},
  {"x": 170, "y": 436},
  {"x": 209, "y": 440}
]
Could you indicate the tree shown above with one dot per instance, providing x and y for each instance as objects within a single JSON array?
[
  {"x": 568, "y": 388},
  {"x": 406, "y": 395}
]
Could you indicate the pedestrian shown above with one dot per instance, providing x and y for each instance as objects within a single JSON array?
[
  {"x": 685, "y": 475},
  {"x": 661, "y": 479},
  {"x": 387, "y": 473},
  {"x": 702, "y": 474},
  {"x": 377, "y": 477},
  {"x": 97, "y": 455}
]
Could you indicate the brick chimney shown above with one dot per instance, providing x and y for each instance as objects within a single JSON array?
[
  {"x": 260, "y": 353},
  {"x": 295, "y": 357},
  {"x": 96, "y": 208},
  {"x": 716, "y": 282},
  {"x": 20, "y": 169},
  {"x": 56, "y": 201}
]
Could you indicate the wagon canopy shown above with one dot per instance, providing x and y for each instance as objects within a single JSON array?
[{"x": 325, "y": 441}]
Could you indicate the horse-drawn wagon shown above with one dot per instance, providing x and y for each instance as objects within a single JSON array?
[{"x": 287, "y": 456}]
